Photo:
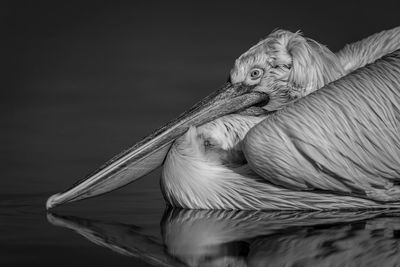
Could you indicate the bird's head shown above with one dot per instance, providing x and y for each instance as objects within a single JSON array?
[
  {"x": 286, "y": 66},
  {"x": 279, "y": 69}
]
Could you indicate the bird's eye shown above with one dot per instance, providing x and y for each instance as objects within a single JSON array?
[
  {"x": 207, "y": 143},
  {"x": 256, "y": 73}
]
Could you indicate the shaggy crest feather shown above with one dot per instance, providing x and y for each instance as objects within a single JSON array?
[{"x": 293, "y": 65}]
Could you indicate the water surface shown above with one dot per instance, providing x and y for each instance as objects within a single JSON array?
[
  {"x": 118, "y": 230},
  {"x": 27, "y": 238},
  {"x": 88, "y": 80}
]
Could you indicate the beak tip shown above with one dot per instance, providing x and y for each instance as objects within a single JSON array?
[
  {"x": 50, "y": 217},
  {"x": 52, "y": 201}
]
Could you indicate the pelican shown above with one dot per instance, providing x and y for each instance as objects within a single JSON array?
[{"x": 295, "y": 127}]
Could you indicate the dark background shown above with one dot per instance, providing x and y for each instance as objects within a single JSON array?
[{"x": 84, "y": 80}]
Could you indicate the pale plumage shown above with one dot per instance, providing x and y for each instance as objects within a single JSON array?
[
  {"x": 205, "y": 168},
  {"x": 363, "y": 52},
  {"x": 293, "y": 66},
  {"x": 336, "y": 148},
  {"x": 195, "y": 177},
  {"x": 198, "y": 176},
  {"x": 351, "y": 146}
]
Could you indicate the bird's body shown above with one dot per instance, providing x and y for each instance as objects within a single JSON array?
[
  {"x": 300, "y": 162},
  {"x": 349, "y": 142},
  {"x": 198, "y": 176},
  {"x": 269, "y": 139}
]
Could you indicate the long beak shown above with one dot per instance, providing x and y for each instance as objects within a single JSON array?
[{"x": 149, "y": 153}]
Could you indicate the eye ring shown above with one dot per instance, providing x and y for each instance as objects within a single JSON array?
[
  {"x": 207, "y": 143},
  {"x": 256, "y": 73}
]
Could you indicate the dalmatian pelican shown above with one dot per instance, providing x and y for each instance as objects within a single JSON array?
[{"x": 295, "y": 127}]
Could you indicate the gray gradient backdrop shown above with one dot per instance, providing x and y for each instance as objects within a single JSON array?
[{"x": 82, "y": 81}]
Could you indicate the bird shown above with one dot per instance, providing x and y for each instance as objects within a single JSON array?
[
  {"x": 250, "y": 238},
  {"x": 296, "y": 127}
]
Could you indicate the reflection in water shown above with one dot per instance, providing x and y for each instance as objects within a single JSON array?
[{"x": 254, "y": 238}]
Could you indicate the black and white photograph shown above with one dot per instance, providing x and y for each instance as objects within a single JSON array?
[{"x": 200, "y": 133}]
